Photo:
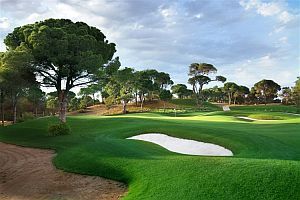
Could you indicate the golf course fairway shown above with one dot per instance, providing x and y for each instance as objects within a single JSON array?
[{"x": 265, "y": 162}]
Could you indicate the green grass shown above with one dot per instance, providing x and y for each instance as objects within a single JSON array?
[
  {"x": 191, "y": 104},
  {"x": 265, "y": 117},
  {"x": 267, "y": 108},
  {"x": 266, "y": 162}
]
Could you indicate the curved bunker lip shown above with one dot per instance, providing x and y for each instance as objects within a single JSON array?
[{"x": 184, "y": 146}]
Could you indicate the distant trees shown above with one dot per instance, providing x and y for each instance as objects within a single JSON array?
[
  {"x": 37, "y": 97},
  {"x": 266, "y": 90},
  {"x": 120, "y": 87},
  {"x": 241, "y": 94},
  {"x": 165, "y": 95},
  {"x": 230, "y": 89},
  {"x": 287, "y": 95},
  {"x": 296, "y": 94},
  {"x": 16, "y": 75},
  {"x": 65, "y": 54},
  {"x": 199, "y": 76},
  {"x": 126, "y": 85},
  {"x": 181, "y": 91}
]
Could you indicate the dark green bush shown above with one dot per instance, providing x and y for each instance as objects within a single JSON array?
[{"x": 59, "y": 129}]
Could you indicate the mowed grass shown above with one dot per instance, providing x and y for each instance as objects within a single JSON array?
[
  {"x": 268, "y": 108},
  {"x": 266, "y": 162}
]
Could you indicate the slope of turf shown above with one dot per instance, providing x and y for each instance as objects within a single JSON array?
[
  {"x": 191, "y": 103},
  {"x": 266, "y": 162},
  {"x": 268, "y": 108}
]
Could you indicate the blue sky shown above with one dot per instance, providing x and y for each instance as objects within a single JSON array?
[{"x": 247, "y": 40}]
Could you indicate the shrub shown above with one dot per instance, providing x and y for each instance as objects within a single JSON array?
[
  {"x": 59, "y": 129},
  {"x": 26, "y": 116}
]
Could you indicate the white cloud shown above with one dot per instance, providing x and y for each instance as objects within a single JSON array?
[
  {"x": 265, "y": 9},
  {"x": 285, "y": 17},
  {"x": 283, "y": 40},
  {"x": 198, "y": 16},
  {"x": 269, "y": 9},
  {"x": 4, "y": 23},
  {"x": 169, "y": 14}
]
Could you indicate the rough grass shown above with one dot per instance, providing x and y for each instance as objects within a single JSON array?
[{"x": 266, "y": 162}]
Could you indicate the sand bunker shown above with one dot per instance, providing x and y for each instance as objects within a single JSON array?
[
  {"x": 28, "y": 174},
  {"x": 184, "y": 146},
  {"x": 249, "y": 118}
]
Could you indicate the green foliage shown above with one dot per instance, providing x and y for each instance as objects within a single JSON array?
[
  {"x": 181, "y": 91},
  {"x": 85, "y": 102},
  {"x": 26, "y": 116},
  {"x": 74, "y": 104},
  {"x": 63, "y": 50},
  {"x": 266, "y": 90},
  {"x": 230, "y": 88},
  {"x": 199, "y": 76},
  {"x": 296, "y": 94},
  {"x": 59, "y": 129},
  {"x": 165, "y": 95},
  {"x": 52, "y": 105}
]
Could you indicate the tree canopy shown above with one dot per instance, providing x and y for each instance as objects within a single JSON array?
[
  {"x": 66, "y": 54},
  {"x": 266, "y": 90},
  {"x": 199, "y": 76}
]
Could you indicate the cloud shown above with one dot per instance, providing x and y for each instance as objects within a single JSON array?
[
  {"x": 4, "y": 23},
  {"x": 264, "y": 9}
]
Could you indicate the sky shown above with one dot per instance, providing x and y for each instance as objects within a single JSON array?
[{"x": 246, "y": 40}]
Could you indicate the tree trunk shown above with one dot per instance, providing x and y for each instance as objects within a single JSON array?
[
  {"x": 93, "y": 99},
  {"x": 2, "y": 107},
  {"x": 234, "y": 100},
  {"x": 62, "y": 105},
  {"x": 136, "y": 99},
  {"x": 142, "y": 102},
  {"x": 124, "y": 107},
  {"x": 200, "y": 97},
  {"x": 229, "y": 98},
  {"x": 164, "y": 106},
  {"x": 15, "y": 110}
]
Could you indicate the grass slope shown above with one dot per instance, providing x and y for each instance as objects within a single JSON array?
[
  {"x": 265, "y": 166},
  {"x": 267, "y": 108}
]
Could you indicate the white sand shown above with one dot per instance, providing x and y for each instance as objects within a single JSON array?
[
  {"x": 248, "y": 118},
  {"x": 184, "y": 146},
  {"x": 226, "y": 108}
]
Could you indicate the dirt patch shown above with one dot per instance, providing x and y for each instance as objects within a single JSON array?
[{"x": 28, "y": 174}]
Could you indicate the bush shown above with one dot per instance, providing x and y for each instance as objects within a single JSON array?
[
  {"x": 26, "y": 116},
  {"x": 59, "y": 129}
]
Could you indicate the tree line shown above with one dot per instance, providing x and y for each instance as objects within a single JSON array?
[{"x": 61, "y": 54}]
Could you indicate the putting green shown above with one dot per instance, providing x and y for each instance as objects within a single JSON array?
[{"x": 265, "y": 164}]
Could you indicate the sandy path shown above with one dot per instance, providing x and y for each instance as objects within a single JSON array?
[{"x": 28, "y": 174}]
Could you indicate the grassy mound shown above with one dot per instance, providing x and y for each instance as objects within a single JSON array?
[
  {"x": 266, "y": 162},
  {"x": 191, "y": 103},
  {"x": 266, "y": 108},
  {"x": 266, "y": 117}
]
